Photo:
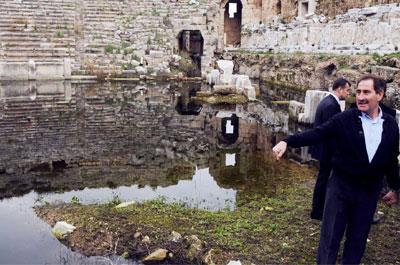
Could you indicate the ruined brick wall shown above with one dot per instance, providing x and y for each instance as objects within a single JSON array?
[
  {"x": 265, "y": 11},
  {"x": 251, "y": 11},
  {"x": 289, "y": 9},
  {"x": 270, "y": 9},
  {"x": 332, "y": 8}
]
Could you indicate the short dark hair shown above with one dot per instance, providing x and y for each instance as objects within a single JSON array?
[
  {"x": 340, "y": 82},
  {"x": 379, "y": 83},
  {"x": 382, "y": 83}
]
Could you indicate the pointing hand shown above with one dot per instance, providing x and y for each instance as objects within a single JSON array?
[{"x": 279, "y": 149}]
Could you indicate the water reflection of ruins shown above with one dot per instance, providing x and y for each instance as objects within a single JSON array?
[{"x": 63, "y": 136}]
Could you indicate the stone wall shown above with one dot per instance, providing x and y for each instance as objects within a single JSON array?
[
  {"x": 288, "y": 10},
  {"x": 332, "y": 8},
  {"x": 301, "y": 72},
  {"x": 368, "y": 30}
]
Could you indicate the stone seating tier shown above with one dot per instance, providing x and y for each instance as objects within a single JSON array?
[{"x": 84, "y": 28}]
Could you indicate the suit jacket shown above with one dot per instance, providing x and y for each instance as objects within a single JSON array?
[
  {"x": 326, "y": 109},
  {"x": 349, "y": 157}
]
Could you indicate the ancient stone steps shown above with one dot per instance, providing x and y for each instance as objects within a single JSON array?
[
  {"x": 37, "y": 55},
  {"x": 33, "y": 44},
  {"x": 29, "y": 16},
  {"x": 32, "y": 35},
  {"x": 52, "y": 122},
  {"x": 39, "y": 22},
  {"x": 25, "y": 59},
  {"x": 39, "y": 29},
  {"x": 39, "y": 49},
  {"x": 23, "y": 104},
  {"x": 45, "y": 31}
]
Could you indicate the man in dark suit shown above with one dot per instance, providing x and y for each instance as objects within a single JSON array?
[
  {"x": 326, "y": 109},
  {"x": 366, "y": 147}
]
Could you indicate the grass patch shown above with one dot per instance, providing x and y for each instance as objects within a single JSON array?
[
  {"x": 110, "y": 48},
  {"x": 59, "y": 34}
]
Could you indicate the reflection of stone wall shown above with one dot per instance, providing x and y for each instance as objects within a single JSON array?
[
  {"x": 111, "y": 123},
  {"x": 255, "y": 173},
  {"x": 151, "y": 173},
  {"x": 130, "y": 126}
]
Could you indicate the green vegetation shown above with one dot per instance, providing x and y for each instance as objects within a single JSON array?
[
  {"x": 155, "y": 12},
  {"x": 110, "y": 48},
  {"x": 221, "y": 99},
  {"x": 247, "y": 52},
  {"x": 127, "y": 66},
  {"x": 393, "y": 55},
  {"x": 186, "y": 65},
  {"x": 75, "y": 200},
  {"x": 59, "y": 34},
  {"x": 385, "y": 59}
]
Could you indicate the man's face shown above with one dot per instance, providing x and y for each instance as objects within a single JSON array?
[
  {"x": 344, "y": 92},
  {"x": 366, "y": 97}
]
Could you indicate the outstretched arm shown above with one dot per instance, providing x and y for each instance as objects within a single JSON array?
[{"x": 313, "y": 136}]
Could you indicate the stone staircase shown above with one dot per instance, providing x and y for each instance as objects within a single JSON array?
[
  {"x": 42, "y": 30},
  {"x": 101, "y": 35}
]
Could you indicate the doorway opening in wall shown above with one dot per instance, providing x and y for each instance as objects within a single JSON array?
[
  {"x": 279, "y": 7},
  {"x": 304, "y": 8},
  {"x": 233, "y": 23},
  {"x": 191, "y": 45}
]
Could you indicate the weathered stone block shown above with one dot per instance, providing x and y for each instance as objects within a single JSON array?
[
  {"x": 295, "y": 108},
  {"x": 313, "y": 97},
  {"x": 156, "y": 54},
  {"x": 385, "y": 72},
  {"x": 14, "y": 71}
]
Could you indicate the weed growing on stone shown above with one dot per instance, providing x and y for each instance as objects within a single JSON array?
[
  {"x": 110, "y": 48},
  {"x": 60, "y": 34}
]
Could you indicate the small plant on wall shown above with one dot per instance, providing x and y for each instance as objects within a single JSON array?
[
  {"x": 60, "y": 34},
  {"x": 186, "y": 65}
]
